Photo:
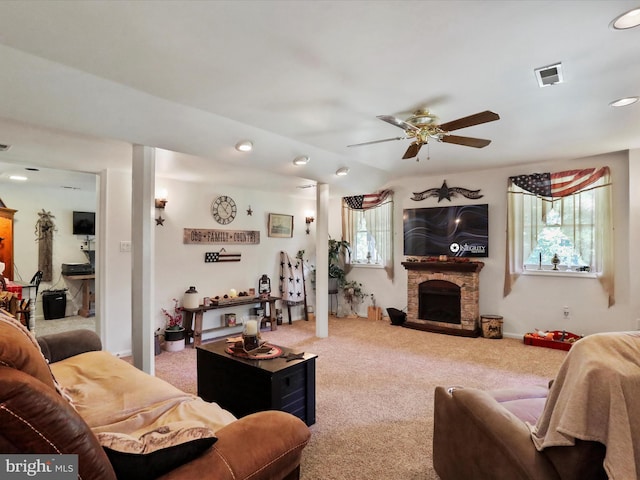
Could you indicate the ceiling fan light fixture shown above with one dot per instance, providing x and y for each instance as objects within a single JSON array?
[
  {"x": 623, "y": 102},
  {"x": 627, "y": 20},
  {"x": 301, "y": 160},
  {"x": 342, "y": 171},
  {"x": 244, "y": 146}
]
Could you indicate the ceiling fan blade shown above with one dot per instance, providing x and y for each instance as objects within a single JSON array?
[
  {"x": 377, "y": 141},
  {"x": 398, "y": 123},
  {"x": 466, "y": 141},
  {"x": 471, "y": 120},
  {"x": 413, "y": 150}
]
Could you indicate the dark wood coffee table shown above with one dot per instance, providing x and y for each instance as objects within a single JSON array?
[{"x": 245, "y": 386}]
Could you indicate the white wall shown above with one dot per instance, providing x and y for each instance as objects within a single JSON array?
[
  {"x": 114, "y": 296},
  {"x": 180, "y": 265},
  {"x": 61, "y": 203},
  {"x": 535, "y": 302}
]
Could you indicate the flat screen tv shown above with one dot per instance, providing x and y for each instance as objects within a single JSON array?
[
  {"x": 84, "y": 223},
  {"x": 455, "y": 231}
]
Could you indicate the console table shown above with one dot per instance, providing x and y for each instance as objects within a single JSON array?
[{"x": 196, "y": 332}]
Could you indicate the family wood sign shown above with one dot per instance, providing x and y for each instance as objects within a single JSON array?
[{"x": 207, "y": 236}]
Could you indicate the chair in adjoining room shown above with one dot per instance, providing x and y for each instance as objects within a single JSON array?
[{"x": 23, "y": 312}]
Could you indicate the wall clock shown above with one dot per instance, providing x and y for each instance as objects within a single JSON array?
[{"x": 224, "y": 210}]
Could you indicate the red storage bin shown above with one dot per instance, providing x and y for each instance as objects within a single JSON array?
[{"x": 560, "y": 340}]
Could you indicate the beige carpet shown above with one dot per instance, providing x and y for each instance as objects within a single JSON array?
[
  {"x": 46, "y": 327},
  {"x": 375, "y": 383}
]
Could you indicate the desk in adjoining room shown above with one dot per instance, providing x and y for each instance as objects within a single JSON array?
[{"x": 87, "y": 295}]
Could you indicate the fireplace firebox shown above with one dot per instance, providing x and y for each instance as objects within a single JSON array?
[
  {"x": 439, "y": 301},
  {"x": 443, "y": 296}
]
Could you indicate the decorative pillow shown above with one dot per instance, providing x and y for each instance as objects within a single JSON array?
[{"x": 156, "y": 452}]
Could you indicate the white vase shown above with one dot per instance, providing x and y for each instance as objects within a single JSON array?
[{"x": 174, "y": 346}]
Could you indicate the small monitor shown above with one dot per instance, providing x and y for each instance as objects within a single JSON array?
[{"x": 84, "y": 223}]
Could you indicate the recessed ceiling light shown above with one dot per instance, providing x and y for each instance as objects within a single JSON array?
[
  {"x": 341, "y": 172},
  {"x": 627, "y": 20},
  {"x": 301, "y": 160},
  {"x": 244, "y": 146},
  {"x": 623, "y": 102},
  {"x": 18, "y": 178}
]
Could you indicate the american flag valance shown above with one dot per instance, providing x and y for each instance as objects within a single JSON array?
[
  {"x": 370, "y": 200},
  {"x": 559, "y": 184}
]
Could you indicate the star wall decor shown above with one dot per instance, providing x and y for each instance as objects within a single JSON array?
[
  {"x": 160, "y": 221},
  {"x": 445, "y": 192},
  {"x": 249, "y": 211}
]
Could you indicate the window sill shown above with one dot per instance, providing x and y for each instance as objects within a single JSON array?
[
  {"x": 366, "y": 265},
  {"x": 559, "y": 273}
]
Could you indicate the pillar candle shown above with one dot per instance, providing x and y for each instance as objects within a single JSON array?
[{"x": 251, "y": 327}]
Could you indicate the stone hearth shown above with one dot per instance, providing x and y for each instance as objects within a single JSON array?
[{"x": 466, "y": 275}]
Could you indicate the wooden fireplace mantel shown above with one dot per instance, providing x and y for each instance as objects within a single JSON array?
[{"x": 447, "y": 266}]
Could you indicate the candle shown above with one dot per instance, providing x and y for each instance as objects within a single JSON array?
[
  {"x": 233, "y": 293},
  {"x": 251, "y": 327}
]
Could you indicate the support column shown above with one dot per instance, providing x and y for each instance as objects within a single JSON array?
[
  {"x": 634, "y": 237},
  {"x": 142, "y": 242},
  {"x": 322, "y": 260}
]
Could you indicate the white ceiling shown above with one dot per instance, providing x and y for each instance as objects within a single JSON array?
[{"x": 81, "y": 81}]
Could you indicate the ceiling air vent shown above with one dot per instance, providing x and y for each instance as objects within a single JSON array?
[{"x": 549, "y": 75}]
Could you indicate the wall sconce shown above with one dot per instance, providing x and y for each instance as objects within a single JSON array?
[
  {"x": 161, "y": 201},
  {"x": 308, "y": 220}
]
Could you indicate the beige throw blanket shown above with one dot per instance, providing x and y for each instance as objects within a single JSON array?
[{"x": 595, "y": 397}]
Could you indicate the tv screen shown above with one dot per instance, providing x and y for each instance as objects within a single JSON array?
[
  {"x": 84, "y": 223},
  {"x": 455, "y": 231}
]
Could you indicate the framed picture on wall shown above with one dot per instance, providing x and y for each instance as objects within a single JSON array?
[{"x": 280, "y": 226}]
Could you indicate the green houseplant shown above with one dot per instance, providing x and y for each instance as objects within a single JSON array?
[
  {"x": 339, "y": 251},
  {"x": 353, "y": 294}
]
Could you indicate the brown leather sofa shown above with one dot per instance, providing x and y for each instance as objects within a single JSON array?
[{"x": 36, "y": 415}]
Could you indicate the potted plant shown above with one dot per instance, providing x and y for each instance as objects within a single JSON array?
[
  {"x": 353, "y": 294},
  {"x": 174, "y": 332},
  {"x": 339, "y": 250}
]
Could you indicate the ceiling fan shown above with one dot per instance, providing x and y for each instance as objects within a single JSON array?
[{"x": 423, "y": 125}]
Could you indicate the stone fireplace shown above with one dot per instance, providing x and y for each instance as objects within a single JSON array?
[{"x": 443, "y": 296}]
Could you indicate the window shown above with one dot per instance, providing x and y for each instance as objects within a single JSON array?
[
  {"x": 567, "y": 214},
  {"x": 367, "y": 224},
  {"x": 363, "y": 249},
  {"x": 564, "y": 227}
]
